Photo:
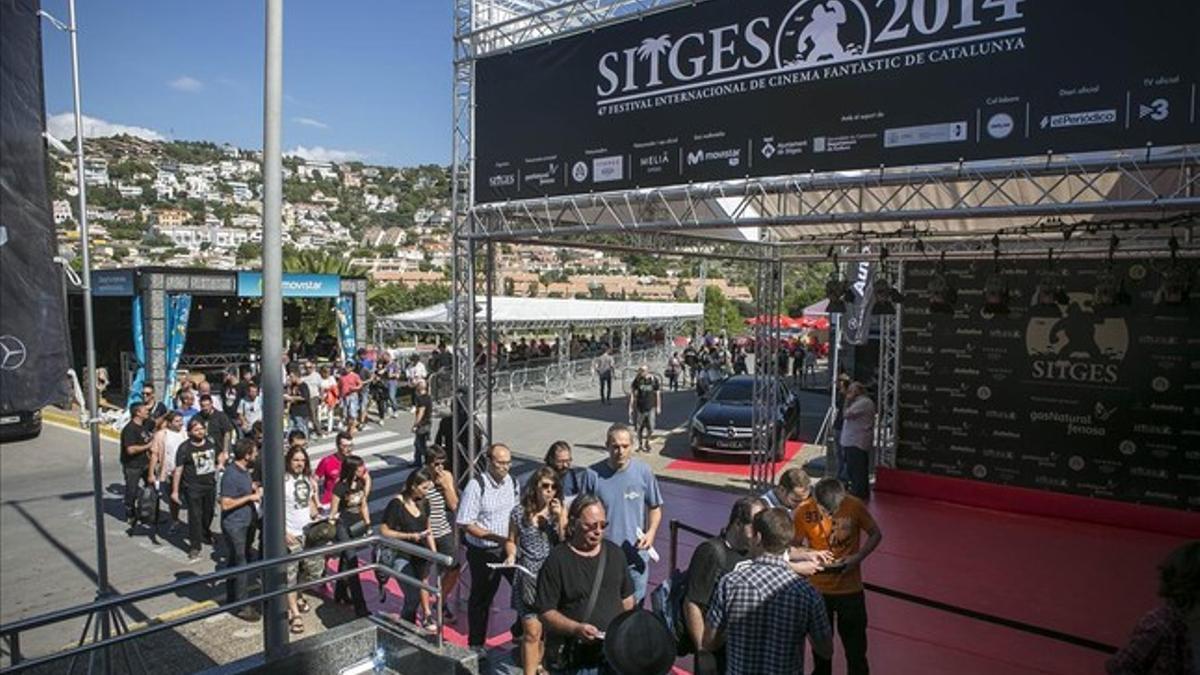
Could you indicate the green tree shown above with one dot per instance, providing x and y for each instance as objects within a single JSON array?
[
  {"x": 721, "y": 314},
  {"x": 250, "y": 251}
]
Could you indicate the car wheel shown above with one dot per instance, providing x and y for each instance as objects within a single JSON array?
[{"x": 699, "y": 454}]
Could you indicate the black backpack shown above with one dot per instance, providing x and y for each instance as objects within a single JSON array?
[{"x": 667, "y": 600}]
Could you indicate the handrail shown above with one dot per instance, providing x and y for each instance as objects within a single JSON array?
[
  {"x": 13, "y": 630},
  {"x": 1040, "y": 631}
]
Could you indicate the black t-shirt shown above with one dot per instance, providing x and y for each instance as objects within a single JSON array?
[
  {"x": 199, "y": 463},
  {"x": 565, "y": 583},
  {"x": 711, "y": 561},
  {"x": 399, "y": 519},
  {"x": 425, "y": 401},
  {"x": 157, "y": 410},
  {"x": 644, "y": 389},
  {"x": 217, "y": 426},
  {"x": 689, "y": 356},
  {"x": 299, "y": 408},
  {"x": 135, "y": 434},
  {"x": 349, "y": 502}
]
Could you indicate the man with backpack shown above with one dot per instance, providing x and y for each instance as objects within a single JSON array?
[
  {"x": 712, "y": 560},
  {"x": 484, "y": 515}
]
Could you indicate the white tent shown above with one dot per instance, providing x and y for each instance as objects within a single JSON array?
[{"x": 509, "y": 313}]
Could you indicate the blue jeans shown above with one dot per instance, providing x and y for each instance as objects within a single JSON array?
[
  {"x": 299, "y": 422},
  {"x": 392, "y": 387},
  {"x": 237, "y": 543},
  {"x": 350, "y": 406},
  {"x": 639, "y": 571},
  {"x": 412, "y": 595}
]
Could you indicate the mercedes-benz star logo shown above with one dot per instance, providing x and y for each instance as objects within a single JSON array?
[{"x": 12, "y": 352}]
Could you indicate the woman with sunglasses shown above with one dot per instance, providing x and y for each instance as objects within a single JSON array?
[{"x": 539, "y": 523}]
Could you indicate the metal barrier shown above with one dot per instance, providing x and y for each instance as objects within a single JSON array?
[
  {"x": 11, "y": 632},
  {"x": 1040, "y": 631}
]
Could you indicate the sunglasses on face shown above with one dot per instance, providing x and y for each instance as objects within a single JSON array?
[
  {"x": 592, "y": 527},
  {"x": 547, "y": 486}
]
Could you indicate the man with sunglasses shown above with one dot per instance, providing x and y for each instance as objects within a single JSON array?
[
  {"x": 486, "y": 509},
  {"x": 565, "y": 584},
  {"x": 156, "y": 408}
]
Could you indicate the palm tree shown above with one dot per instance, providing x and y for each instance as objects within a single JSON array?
[
  {"x": 316, "y": 314},
  {"x": 652, "y": 49}
]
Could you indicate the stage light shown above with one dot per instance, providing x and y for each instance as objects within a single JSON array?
[
  {"x": 886, "y": 298},
  {"x": 1174, "y": 287},
  {"x": 943, "y": 295}
]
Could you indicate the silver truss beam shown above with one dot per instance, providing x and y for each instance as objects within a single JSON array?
[
  {"x": 1160, "y": 183},
  {"x": 505, "y": 25},
  {"x": 767, "y": 444}
]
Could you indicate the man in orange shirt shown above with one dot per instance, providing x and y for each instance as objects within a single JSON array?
[{"x": 831, "y": 520}]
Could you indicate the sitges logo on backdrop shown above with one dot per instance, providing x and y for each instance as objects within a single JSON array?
[
  {"x": 809, "y": 33},
  {"x": 1077, "y": 345}
]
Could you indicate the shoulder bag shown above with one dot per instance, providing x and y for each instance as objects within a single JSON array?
[{"x": 567, "y": 654}]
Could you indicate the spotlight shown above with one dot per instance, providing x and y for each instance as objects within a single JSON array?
[
  {"x": 1110, "y": 291},
  {"x": 1174, "y": 288},
  {"x": 943, "y": 295},
  {"x": 886, "y": 298},
  {"x": 838, "y": 293},
  {"x": 995, "y": 294}
]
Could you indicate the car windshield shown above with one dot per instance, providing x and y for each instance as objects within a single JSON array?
[
  {"x": 735, "y": 392},
  {"x": 740, "y": 392}
]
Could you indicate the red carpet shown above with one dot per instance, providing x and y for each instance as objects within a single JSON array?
[
  {"x": 735, "y": 466},
  {"x": 1087, "y": 580}
]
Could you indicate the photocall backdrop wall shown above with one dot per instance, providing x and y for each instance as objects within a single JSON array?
[
  {"x": 727, "y": 89},
  {"x": 1074, "y": 398}
]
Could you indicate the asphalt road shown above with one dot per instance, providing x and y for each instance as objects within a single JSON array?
[{"x": 47, "y": 525}]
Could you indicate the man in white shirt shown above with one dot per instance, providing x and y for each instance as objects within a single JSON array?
[
  {"x": 857, "y": 438},
  {"x": 249, "y": 409}
]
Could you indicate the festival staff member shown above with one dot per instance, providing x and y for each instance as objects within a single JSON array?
[
  {"x": 485, "y": 513},
  {"x": 711, "y": 561},
  {"x": 137, "y": 440},
  {"x": 645, "y": 401},
  {"x": 565, "y": 590},
  {"x": 633, "y": 502},
  {"x": 835, "y": 522},
  {"x": 539, "y": 523},
  {"x": 196, "y": 465},
  {"x": 762, "y": 611},
  {"x": 239, "y": 494}
]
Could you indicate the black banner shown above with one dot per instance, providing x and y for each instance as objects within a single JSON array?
[
  {"x": 33, "y": 342},
  {"x": 727, "y": 89},
  {"x": 1069, "y": 395}
]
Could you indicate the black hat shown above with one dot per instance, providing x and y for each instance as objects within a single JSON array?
[{"x": 638, "y": 643}]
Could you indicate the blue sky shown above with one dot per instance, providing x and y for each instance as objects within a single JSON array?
[{"x": 365, "y": 80}]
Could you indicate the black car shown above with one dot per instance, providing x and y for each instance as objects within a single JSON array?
[
  {"x": 722, "y": 423},
  {"x": 20, "y": 424}
]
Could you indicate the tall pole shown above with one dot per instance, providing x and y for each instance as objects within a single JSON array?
[
  {"x": 275, "y": 615},
  {"x": 89, "y": 333}
]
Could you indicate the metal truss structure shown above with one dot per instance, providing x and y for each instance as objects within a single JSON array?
[
  {"x": 1075, "y": 204},
  {"x": 769, "y": 436}
]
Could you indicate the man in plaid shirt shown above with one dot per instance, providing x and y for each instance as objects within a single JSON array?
[{"x": 762, "y": 610}]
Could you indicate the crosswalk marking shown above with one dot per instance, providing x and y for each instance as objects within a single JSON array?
[{"x": 326, "y": 447}]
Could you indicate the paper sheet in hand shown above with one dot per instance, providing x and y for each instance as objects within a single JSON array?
[{"x": 501, "y": 566}]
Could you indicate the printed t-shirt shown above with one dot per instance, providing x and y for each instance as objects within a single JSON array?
[
  {"x": 199, "y": 463},
  {"x": 297, "y": 491},
  {"x": 839, "y": 535},
  {"x": 626, "y": 495},
  {"x": 644, "y": 389}
]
